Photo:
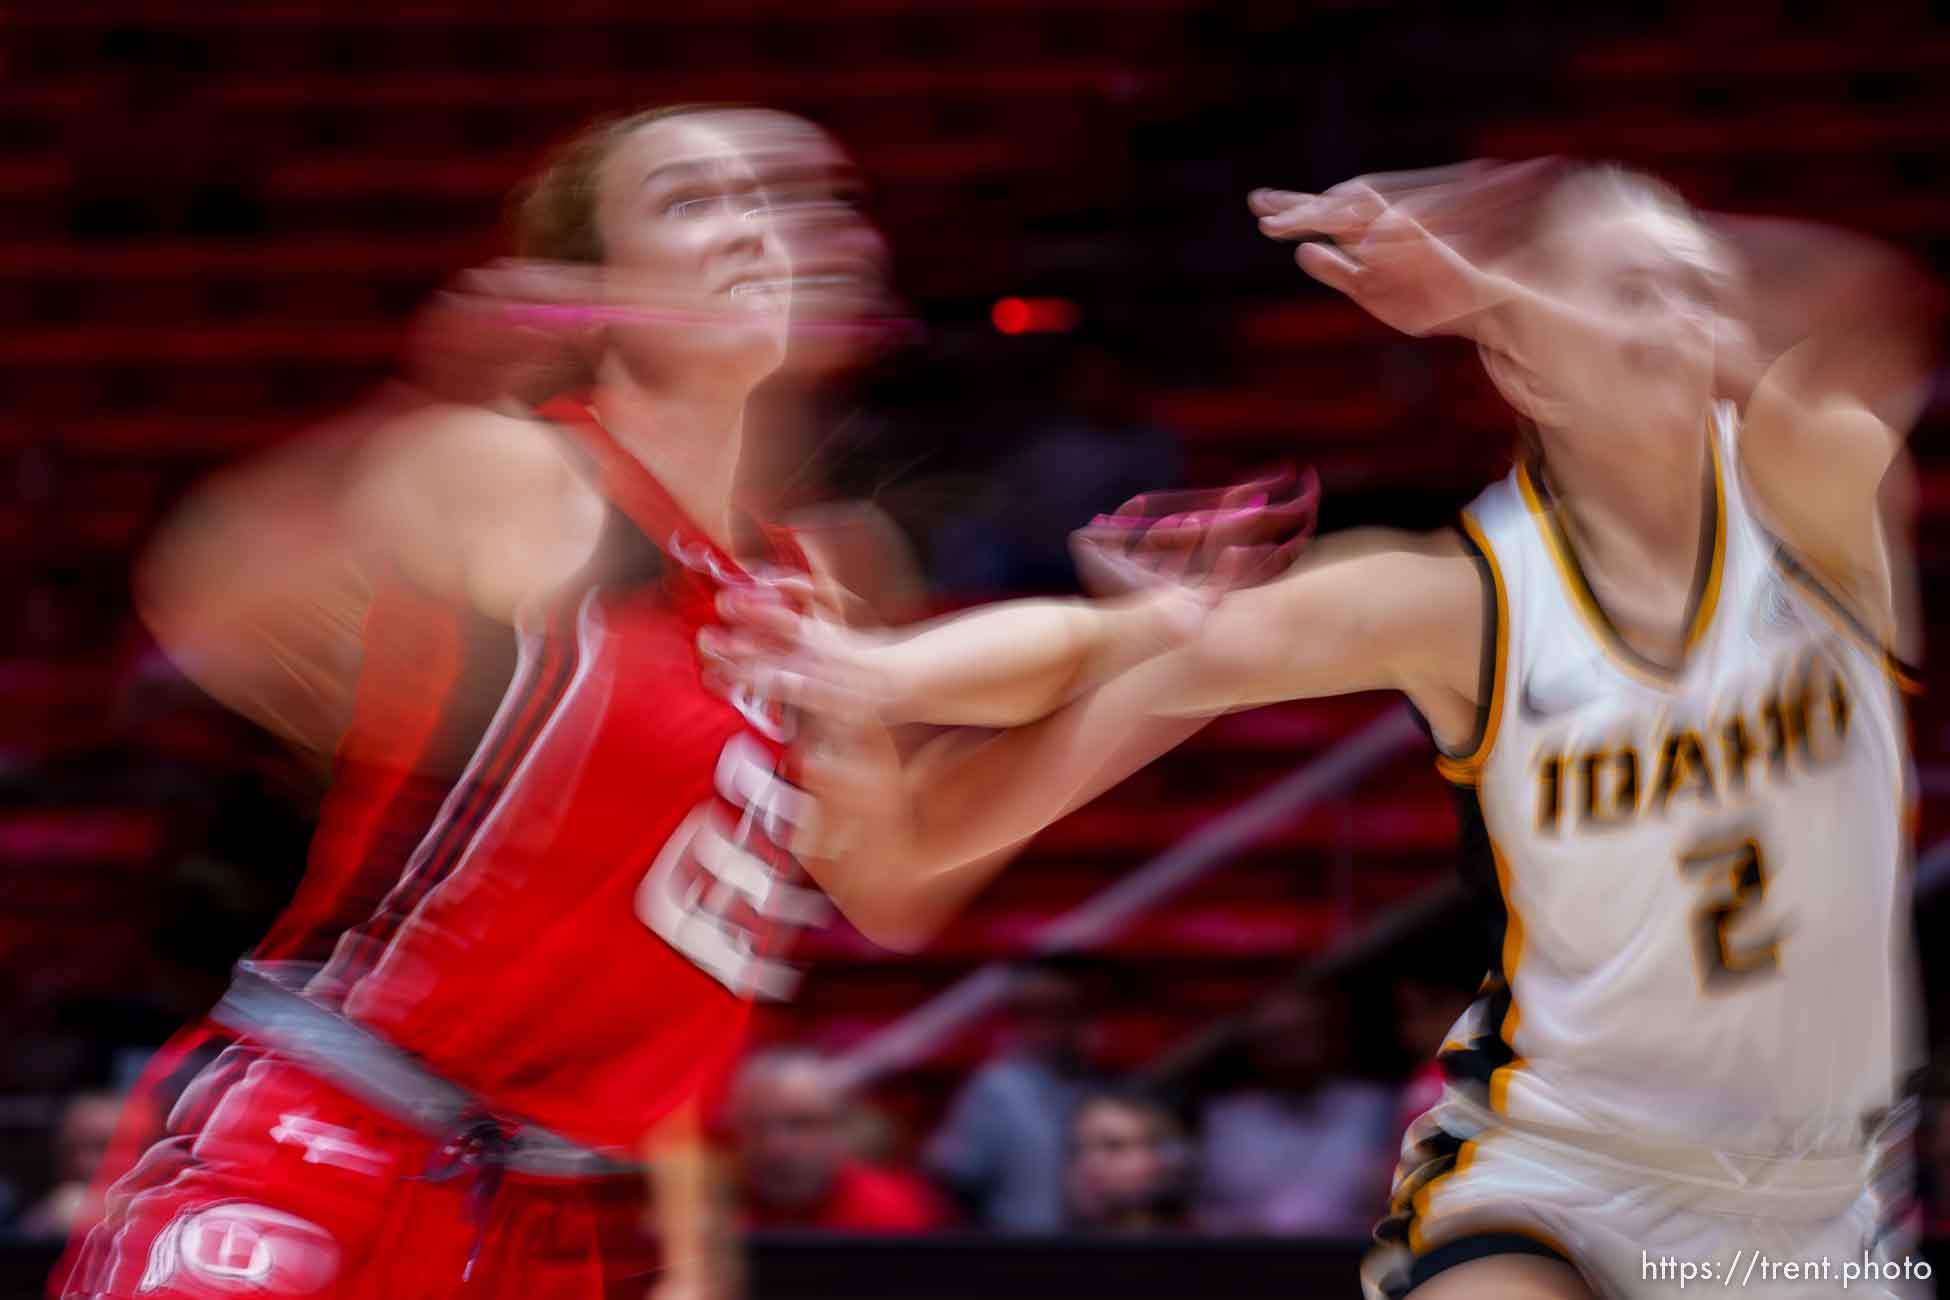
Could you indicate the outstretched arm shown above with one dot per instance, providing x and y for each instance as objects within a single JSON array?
[
  {"x": 1004, "y": 665},
  {"x": 1159, "y": 563},
  {"x": 907, "y": 842}
]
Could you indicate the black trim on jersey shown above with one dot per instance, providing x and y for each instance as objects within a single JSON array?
[
  {"x": 1481, "y": 1245},
  {"x": 1476, "y": 864},
  {"x": 1908, "y": 676},
  {"x": 625, "y": 556},
  {"x": 1471, "y": 1065},
  {"x": 1393, "y": 1268},
  {"x": 1486, "y": 682},
  {"x": 1430, "y": 1159},
  {"x": 360, "y": 948},
  {"x": 1713, "y": 528}
]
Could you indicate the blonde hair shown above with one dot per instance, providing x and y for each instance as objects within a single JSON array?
[
  {"x": 553, "y": 214},
  {"x": 1607, "y": 186},
  {"x": 1610, "y": 185}
]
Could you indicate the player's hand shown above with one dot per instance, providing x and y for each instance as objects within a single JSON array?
[
  {"x": 1410, "y": 247},
  {"x": 789, "y": 653},
  {"x": 795, "y": 653},
  {"x": 1192, "y": 547}
]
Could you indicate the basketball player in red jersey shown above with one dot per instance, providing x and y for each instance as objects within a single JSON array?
[{"x": 587, "y": 867}]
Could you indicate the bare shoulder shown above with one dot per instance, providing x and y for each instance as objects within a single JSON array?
[
  {"x": 478, "y": 505},
  {"x": 1430, "y": 596},
  {"x": 451, "y": 443},
  {"x": 1818, "y": 461}
]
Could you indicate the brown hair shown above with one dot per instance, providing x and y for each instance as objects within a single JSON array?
[{"x": 552, "y": 214}]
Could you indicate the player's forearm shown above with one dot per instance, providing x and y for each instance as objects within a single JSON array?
[
  {"x": 688, "y": 1201},
  {"x": 1019, "y": 661},
  {"x": 972, "y": 796},
  {"x": 944, "y": 822}
]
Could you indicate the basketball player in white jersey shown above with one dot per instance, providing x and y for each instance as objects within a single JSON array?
[{"x": 1659, "y": 662}]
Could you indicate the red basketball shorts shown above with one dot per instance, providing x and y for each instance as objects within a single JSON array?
[{"x": 291, "y": 1188}]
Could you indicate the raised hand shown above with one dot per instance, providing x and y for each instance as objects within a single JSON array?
[
  {"x": 1202, "y": 543},
  {"x": 1411, "y": 248}
]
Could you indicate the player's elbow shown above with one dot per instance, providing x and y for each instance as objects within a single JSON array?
[
  {"x": 893, "y": 921},
  {"x": 892, "y": 902}
]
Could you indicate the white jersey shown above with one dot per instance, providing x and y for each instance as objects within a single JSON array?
[{"x": 1702, "y": 874}]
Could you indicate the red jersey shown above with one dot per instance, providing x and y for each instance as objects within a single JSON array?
[
  {"x": 430, "y": 675},
  {"x": 579, "y": 933}
]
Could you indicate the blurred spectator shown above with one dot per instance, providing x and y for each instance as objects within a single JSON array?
[
  {"x": 1425, "y": 1010},
  {"x": 1299, "y": 1147},
  {"x": 1088, "y": 456},
  {"x": 1933, "y": 1152},
  {"x": 1127, "y": 1166},
  {"x": 81, "y": 1139},
  {"x": 789, "y": 1117},
  {"x": 1005, "y": 1143}
]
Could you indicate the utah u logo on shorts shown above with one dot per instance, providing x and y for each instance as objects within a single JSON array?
[{"x": 236, "y": 1247}]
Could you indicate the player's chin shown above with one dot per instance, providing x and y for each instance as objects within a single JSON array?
[
  {"x": 752, "y": 342},
  {"x": 1663, "y": 386}
]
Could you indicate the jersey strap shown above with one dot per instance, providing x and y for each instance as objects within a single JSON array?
[{"x": 638, "y": 494}]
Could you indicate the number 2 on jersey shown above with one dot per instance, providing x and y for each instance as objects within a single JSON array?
[{"x": 1733, "y": 877}]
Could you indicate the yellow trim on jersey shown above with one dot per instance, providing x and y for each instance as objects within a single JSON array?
[
  {"x": 1465, "y": 769},
  {"x": 1510, "y": 958},
  {"x": 1704, "y": 602},
  {"x": 1418, "y": 1206},
  {"x": 1709, "y": 594},
  {"x": 1419, "y": 1213}
]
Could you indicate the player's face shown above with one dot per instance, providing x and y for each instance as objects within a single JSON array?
[
  {"x": 1652, "y": 275},
  {"x": 839, "y": 258},
  {"x": 686, "y": 226}
]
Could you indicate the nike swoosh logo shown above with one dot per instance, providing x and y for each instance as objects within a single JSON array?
[{"x": 1560, "y": 696}]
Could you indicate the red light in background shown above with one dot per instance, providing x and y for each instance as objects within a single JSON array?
[{"x": 1034, "y": 316}]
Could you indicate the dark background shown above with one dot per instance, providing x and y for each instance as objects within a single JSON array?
[{"x": 215, "y": 220}]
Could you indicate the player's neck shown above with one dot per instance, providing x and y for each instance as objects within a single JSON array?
[
  {"x": 1629, "y": 501},
  {"x": 690, "y": 438},
  {"x": 787, "y": 422}
]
